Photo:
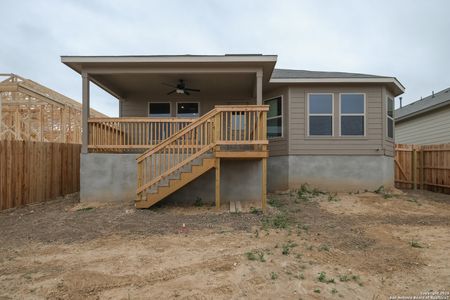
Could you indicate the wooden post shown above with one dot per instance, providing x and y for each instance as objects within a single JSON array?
[
  {"x": 217, "y": 183},
  {"x": 41, "y": 123},
  {"x": 422, "y": 168},
  {"x": 85, "y": 113},
  {"x": 139, "y": 179},
  {"x": 259, "y": 76},
  {"x": 217, "y": 129},
  {"x": 414, "y": 167},
  {"x": 264, "y": 162},
  {"x": 264, "y": 184}
]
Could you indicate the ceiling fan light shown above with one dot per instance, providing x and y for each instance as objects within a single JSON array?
[{"x": 180, "y": 91}]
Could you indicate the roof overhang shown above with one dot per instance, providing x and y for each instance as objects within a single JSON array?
[
  {"x": 100, "y": 67},
  {"x": 394, "y": 85}
]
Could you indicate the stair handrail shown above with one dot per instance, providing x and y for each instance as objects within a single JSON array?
[{"x": 175, "y": 136}]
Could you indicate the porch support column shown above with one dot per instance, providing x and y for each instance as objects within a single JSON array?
[
  {"x": 259, "y": 76},
  {"x": 85, "y": 113}
]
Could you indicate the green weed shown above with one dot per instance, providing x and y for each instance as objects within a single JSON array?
[{"x": 198, "y": 202}]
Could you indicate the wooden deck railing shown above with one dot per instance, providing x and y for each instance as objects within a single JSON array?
[
  {"x": 131, "y": 134},
  {"x": 236, "y": 125}
]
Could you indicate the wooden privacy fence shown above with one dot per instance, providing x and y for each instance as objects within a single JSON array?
[
  {"x": 32, "y": 172},
  {"x": 423, "y": 166}
]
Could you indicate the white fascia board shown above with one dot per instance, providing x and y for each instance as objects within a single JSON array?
[
  {"x": 167, "y": 59},
  {"x": 339, "y": 80}
]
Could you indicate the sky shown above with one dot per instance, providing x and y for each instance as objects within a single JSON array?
[{"x": 407, "y": 39}]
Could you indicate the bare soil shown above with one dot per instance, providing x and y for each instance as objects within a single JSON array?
[{"x": 366, "y": 246}]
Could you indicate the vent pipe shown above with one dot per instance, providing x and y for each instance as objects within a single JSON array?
[
  {"x": 432, "y": 94},
  {"x": 401, "y": 104}
]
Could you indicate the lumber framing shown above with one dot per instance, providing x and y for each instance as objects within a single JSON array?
[{"x": 30, "y": 111}]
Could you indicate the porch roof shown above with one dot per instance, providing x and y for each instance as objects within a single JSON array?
[{"x": 119, "y": 75}]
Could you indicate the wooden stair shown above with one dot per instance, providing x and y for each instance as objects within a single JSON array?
[
  {"x": 223, "y": 132},
  {"x": 179, "y": 179}
]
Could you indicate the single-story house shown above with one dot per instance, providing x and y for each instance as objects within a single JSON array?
[
  {"x": 231, "y": 127},
  {"x": 424, "y": 122}
]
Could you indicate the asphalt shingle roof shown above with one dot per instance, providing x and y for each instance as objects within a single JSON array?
[
  {"x": 424, "y": 105},
  {"x": 288, "y": 73}
]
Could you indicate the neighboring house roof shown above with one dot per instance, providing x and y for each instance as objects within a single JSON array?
[{"x": 424, "y": 105}]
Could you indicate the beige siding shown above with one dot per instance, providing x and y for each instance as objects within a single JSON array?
[
  {"x": 431, "y": 128},
  {"x": 295, "y": 140},
  {"x": 388, "y": 143},
  {"x": 300, "y": 143},
  {"x": 279, "y": 145},
  {"x": 137, "y": 105}
]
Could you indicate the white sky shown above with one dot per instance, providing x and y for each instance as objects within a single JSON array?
[{"x": 407, "y": 39}]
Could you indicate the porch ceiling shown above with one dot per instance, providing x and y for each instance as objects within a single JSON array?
[
  {"x": 123, "y": 75},
  {"x": 152, "y": 84}
]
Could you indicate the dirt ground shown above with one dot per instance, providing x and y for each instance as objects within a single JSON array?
[{"x": 308, "y": 246}]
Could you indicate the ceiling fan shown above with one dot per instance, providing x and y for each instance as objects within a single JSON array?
[{"x": 180, "y": 88}]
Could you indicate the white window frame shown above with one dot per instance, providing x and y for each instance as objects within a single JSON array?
[
  {"x": 159, "y": 102},
  {"x": 276, "y": 117},
  {"x": 176, "y": 108},
  {"x": 313, "y": 114},
  {"x": 352, "y": 114},
  {"x": 389, "y": 117}
]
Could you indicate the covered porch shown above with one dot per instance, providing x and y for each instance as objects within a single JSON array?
[{"x": 177, "y": 114}]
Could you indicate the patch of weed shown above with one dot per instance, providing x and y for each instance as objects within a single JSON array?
[
  {"x": 380, "y": 190},
  {"x": 416, "y": 244},
  {"x": 198, "y": 202},
  {"x": 344, "y": 278},
  {"x": 275, "y": 202},
  {"x": 261, "y": 256},
  {"x": 332, "y": 197},
  {"x": 323, "y": 278},
  {"x": 334, "y": 291},
  {"x": 286, "y": 249},
  {"x": 324, "y": 247},
  {"x": 256, "y": 211},
  {"x": 250, "y": 256},
  {"x": 317, "y": 291},
  {"x": 279, "y": 221},
  {"x": 256, "y": 255},
  {"x": 273, "y": 275}
]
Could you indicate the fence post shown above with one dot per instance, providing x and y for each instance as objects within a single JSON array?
[
  {"x": 422, "y": 167},
  {"x": 414, "y": 167}
]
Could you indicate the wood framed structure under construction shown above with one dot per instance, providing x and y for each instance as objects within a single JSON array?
[{"x": 30, "y": 111}]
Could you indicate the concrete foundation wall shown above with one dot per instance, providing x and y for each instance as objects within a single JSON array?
[
  {"x": 341, "y": 173},
  {"x": 112, "y": 177},
  {"x": 278, "y": 173},
  {"x": 108, "y": 177}
]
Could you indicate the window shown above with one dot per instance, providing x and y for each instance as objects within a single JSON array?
[
  {"x": 352, "y": 114},
  {"x": 159, "y": 109},
  {"x": 188, "y": 109},
  {"x": 274, "y": 117},
  {"x": 320, "y": 114},
  {"x": 390, "y": 117}
]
